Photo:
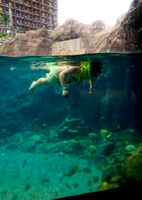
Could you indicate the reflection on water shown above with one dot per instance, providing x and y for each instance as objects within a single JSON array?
[{"x": 52, "y": 147}]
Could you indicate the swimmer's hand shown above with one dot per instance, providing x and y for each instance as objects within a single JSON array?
[
  {"x": 32, "y": 87},
  {"x": 91, "y": 90},
  {"x": 65, "y": 93}
]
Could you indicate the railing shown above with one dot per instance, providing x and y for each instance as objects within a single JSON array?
[
  {"x": 35, "y": 7},
  {"x": 35, "y": 1},
  {"x": 18, "y": 2},
  {"x": 20, "y": 17},
  {"x": 43, "y": 3},
  {"x": 1, "y": 4},
  {"x": 28, "y": 5},
  {"x": 42, "y": 9}
]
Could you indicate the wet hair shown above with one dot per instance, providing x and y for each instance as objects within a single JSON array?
[{"x": 96, "y": 68}]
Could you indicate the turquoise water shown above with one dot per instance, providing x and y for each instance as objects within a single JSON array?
[{"x": 52, "y": 147}]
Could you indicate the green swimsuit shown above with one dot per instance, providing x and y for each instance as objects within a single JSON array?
[
  {"x": 53, "y": 76},
  {"x": 85, "y": 74}
]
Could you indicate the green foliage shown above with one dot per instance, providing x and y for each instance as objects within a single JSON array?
[
  {"x": 4, "y": 18},
  {"x": 4, "y": 35}
]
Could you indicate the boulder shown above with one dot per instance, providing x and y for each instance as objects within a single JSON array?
[
  {"x": 106, "y": 148},
  {"x": 73, "y": 29},
  {"x": 32, "y": 43}
]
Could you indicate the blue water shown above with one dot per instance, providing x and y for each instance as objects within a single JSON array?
[{"x": 53, "y": 147}]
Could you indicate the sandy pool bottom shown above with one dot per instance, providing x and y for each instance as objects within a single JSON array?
[{"x": 29, "y": 176}]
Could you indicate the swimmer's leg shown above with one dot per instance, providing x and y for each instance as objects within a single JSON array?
[{"x": 40, "y": 81}]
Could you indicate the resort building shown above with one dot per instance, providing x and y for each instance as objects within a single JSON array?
[{"x": 31, "y": 15}]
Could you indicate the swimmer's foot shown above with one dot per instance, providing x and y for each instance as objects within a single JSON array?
[{"x": 32, "y": 87}]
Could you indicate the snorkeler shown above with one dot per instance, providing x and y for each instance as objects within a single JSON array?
[{"x": 66, "y": 74}]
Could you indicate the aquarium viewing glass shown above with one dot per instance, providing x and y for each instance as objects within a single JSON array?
[{"x": 53, "y": 147}]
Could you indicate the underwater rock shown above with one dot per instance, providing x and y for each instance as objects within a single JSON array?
[
  {"x": 131, "y": 130},
  {"x": 79, "y": 120},
  {"x": 106, "y": 148},
  {"x": 38, "y": 138},
  {"x": 93, "y": 135},
  {"x": 91, "y": 148},
  {"x": 73, "y": 131},
  {"x": 116, "y": 178},
  {"x": 67, "y": 123},
  {"x": 134, "y": 164},
  {"x": 105, "y": 133},
  {"x": 71, "y": 127},
  {"x": 130, "y": 148}
]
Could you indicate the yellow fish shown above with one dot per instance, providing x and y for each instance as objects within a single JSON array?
[{"x": 118, "y": 126}]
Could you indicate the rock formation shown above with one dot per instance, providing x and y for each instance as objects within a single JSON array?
[
  {"x": 124, "y": 37},
  {"x": 32, "y": 43}
]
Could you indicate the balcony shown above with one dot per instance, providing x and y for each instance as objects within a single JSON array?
[
  {"x": 42, "y": 9},
  {"x": 35, "y": 1},
  {"x": 28, "y": 5},
  {"x": 27, "y": 11},
  {"x": 44, "y": 16},
  {"x": 36, "y": 8},
  {"x": 22, "y": 17},
  {"x": 36, "y": 20},
  {"x": 29, "y": 18},
  {"x": 18, "y": 2},
  {"x": 1, "y": 4},
  {"x": 45, "y": 23},
  {"x": 50, "y": 12},
  {"x": 49, "y": 6},
  {"x": 42, "y": 3},
  {"x": 51, "y": 1},
  {"x": 37, "y": 14}
]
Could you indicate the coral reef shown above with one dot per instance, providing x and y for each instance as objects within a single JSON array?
[{"x": 134, "y": 163}]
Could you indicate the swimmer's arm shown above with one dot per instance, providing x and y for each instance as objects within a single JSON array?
[
  {"x": 91, "y": 89},
  {"x": 62, "y": 78},
  {"x": 63, "y": 74}
]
